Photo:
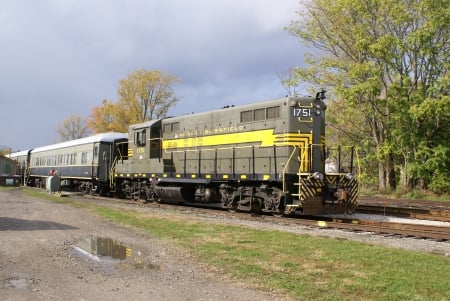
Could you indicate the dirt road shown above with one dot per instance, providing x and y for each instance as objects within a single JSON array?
[{"x": 40, "y": 260}]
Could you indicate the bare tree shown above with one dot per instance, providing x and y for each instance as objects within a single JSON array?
[
  {"x": 73, "y": 127},
  {"x": 289, "y": 81}
]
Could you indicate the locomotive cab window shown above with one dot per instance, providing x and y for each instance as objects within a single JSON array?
[
  {"x": 171, "y": 127},
  {"x": 139, "y": 138},
  {"x": 175, "y": 126},
  {"x": 155, "y": 142},
  {"x": 166, "y": 128}
]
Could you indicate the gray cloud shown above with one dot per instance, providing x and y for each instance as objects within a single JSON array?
[{"x": 62, "y": 57}]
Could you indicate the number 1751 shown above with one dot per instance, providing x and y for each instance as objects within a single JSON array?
[{"x": 301, "y": 112}]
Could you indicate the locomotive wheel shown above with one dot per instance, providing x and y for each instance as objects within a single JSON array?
[
  {"x": 278, "y": 207},
  {"x": 256, "y": 207},
  {"x": 233, "y": 208},
  {"x": 151, "y": 197},
  {"x": 233, "y": 205},
  {"x": 279, "y": 213},
  {"x": 350, "y": 208},
  {"x": 103, "y": 192}
]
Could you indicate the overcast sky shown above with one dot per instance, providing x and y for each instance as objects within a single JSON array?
[{"x": 62, "y": 57}]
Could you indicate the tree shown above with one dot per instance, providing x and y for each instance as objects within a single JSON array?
[
  {"x": 102, "y": 118},
  {"x": 289, "y": 81},
  {"x": 152, "y": 90},
  {"x": 143, "y": 95},
  {"x": 382, "y": 59},
  {"x": 5, "y": 150},
  {"x": 73, "y": 127}
]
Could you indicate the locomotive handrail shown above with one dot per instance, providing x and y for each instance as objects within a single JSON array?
[
  {"x": 286, "y": 166},
  {"x": 303, "y": 154},
  {"x": 121, "y": 156},
  {"x": 111, "y": 172}
]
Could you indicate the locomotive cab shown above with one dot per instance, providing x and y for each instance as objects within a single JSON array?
[{"x": 134, "y": 172}]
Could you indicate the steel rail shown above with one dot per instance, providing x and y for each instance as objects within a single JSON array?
[
  {"x": 418, "y": 213},
  {"x": 441, "y": 233}
]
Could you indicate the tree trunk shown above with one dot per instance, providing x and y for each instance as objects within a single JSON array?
[{"x": 386, "y": 174}]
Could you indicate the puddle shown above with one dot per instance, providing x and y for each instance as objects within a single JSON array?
[
  {"x": 113, "y": 254},
  {"x": 18, "y": 283}
]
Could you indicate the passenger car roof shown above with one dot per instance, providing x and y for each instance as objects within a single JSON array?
[{"x": 103, "y": 137}]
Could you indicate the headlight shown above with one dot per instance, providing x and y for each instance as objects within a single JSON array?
[
  {"x": 318, "y": 176},
  {"x": 349, "y": 176},
  {"x": 317, "y": 110}
]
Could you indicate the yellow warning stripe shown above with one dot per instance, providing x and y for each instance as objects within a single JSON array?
[{"x": 264, "y": 137}]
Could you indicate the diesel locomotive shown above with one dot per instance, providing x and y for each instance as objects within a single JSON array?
[{"x": 264, "y": 157}]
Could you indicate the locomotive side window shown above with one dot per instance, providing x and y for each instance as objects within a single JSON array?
[
  {"x": 260, "y": 114},
  {"x": 273, "y": 112},
  {"x": 247, "y": 116}
]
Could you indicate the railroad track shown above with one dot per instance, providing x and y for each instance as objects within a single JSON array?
[
  {"x": 423, "y": 231},
  {"x": 417, "y": 209},
  {"x": 439, "y": 233},
  {"x": 417, "y": 213}
]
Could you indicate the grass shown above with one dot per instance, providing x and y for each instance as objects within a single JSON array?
[{"x": 298, "y": 266}]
